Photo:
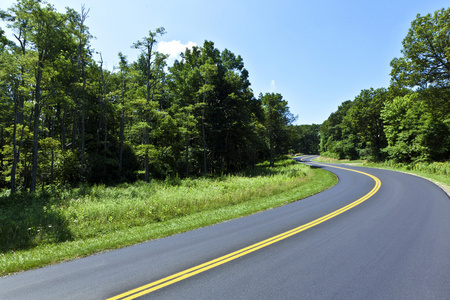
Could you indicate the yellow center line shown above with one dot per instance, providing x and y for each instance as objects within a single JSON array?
[{"x": 156, "y": 285}]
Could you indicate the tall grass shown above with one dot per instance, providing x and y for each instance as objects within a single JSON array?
[
  {"x": 105, "y": 209},
  {"x": 49, "y": 217},
  {"x": 438, "y": 172},
  {"x": 439, "y": 168},
  {"x": 48, "y": 227}
]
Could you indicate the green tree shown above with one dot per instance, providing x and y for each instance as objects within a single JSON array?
[
  {"x": 332, "y": 134},
  {"x": 305, "y": 138},
  {"x": 426, "y": 52},
  {"x": 213, "y": 86},
  {"x": 277, "y": 119},
  {"x": 363, "y": 119},
  {"x": 148, "y": 54},
  {"x": 425, "y": 67},
  {"x": 412, "y": 132},
  {"x": 42, "y": 31},
  {"x": 184, "y": 83}
]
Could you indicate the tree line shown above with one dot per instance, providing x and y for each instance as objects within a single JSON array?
[
  {"x": 65, "y": 119},
  {"x": 410, "y": 120}
]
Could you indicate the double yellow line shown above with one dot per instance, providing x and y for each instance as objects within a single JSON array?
[{"x": 156, "y": 285}]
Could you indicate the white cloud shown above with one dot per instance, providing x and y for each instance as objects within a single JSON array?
[
  {"x": 272, "y": 86},
  {"x": 173, "y": 49}
]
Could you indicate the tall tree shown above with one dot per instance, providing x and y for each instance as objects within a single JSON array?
[
  {"x": 45, "y": 33},
  {"x": 124, "y": 70},
  {"x": 277, "y": 118},
  {"x": 363, "y": 119},
  {"x": 331, "y": 134},
  {"x": 81, "y": 59},
  {"x": 146, "y": 46},
  {"x": 425, "y": 67},
  {"x": 426, "y": 53}
]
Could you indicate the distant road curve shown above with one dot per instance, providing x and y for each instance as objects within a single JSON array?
[{"x": 377, "y": 234}]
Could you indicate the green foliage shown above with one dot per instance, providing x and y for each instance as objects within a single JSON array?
[
  {"x": 363, "y": 124},
  {"x": 439, "y": 168},
  {"x": 76, "y": 122},
  {"x": 277, "y": 118},
  {"x": 426, "y": 53},
  {"x": 413, "y": 133},
  {"x": 70, "y": 168},
  {"x": 332, "y": 134},
  {"x": 24, "y": 144},
  {"x": 396, "y": 123},
  {"x": 305, "y": 138}
]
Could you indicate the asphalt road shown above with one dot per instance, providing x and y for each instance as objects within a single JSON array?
[{"x": 395, "y": 244}]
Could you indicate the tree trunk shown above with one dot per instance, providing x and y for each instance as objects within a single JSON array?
[
  {"x": 204, "y": 137},
  {"x": 61, "y": 122},
  {"x": 187, "y": 144},
  {"x": 36, "y": 129},
  {"x": 146, "y": 142},
  {"x": 122, "y": 126},
  {"x": 100, "y": 106},
  {"x": 14, "y": 165},
  {"x": 83, "y": 115},
  {"x": 81, "y": 45},
  {"x": 272, "y": 160}
]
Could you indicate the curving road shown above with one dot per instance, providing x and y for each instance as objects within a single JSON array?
[{"x": 377, "y": 234}]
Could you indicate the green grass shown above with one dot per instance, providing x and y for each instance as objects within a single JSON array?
[
  {"x": 438, "y": 172},
  {"x": 338, "y": 161},
  {"x": 49, "y": 227}
]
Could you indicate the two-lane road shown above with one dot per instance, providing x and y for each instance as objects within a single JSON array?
[{"x": 377, "y": 234}]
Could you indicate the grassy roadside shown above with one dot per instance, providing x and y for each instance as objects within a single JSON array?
[
  {"x": 338, "y": 161},
  {"x": 438, "y": 173},
  {"x": 80, "y": 222}
]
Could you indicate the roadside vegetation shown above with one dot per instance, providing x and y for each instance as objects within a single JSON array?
[
  {"x": 65, "y": 119},
  {"x": 408, "y": 123},
  {"x": 405, "y": 127},
  {"x": 55, "y": 225},
  {"x": 438, "y": 172}
]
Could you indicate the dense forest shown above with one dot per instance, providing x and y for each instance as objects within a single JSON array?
[
  {"x": 65, "y": 119},
  {"x": 408, "y": 122}
]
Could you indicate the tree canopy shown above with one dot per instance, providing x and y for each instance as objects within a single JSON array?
[
  {"x": 65, "y": 119},
  {"x": 409, "y": 121}
]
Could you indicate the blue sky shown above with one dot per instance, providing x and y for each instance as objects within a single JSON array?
[{"x": 316, "y": 54}]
